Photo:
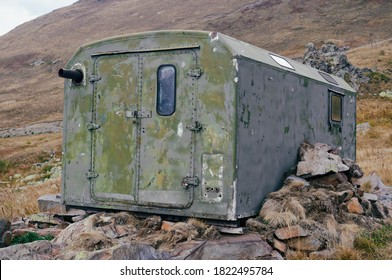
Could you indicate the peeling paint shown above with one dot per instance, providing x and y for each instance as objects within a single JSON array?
[
  {"x": 235, "y": 64},
  {"x": 214, "y": 36},
  {"x": 180, "y": 130}
]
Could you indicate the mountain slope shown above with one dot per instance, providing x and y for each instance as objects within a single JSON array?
[{"x": 31, "y": 53}]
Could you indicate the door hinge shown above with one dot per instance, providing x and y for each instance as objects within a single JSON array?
[
  {"x": 190, "y": 181},
  {"x": 94, "y": 78},
  {"x": 194, "y": 73},
  {"x": 196, "y": 126},
  {"x": 91, "y": 175},
  {"x": 93, "y": 126}
]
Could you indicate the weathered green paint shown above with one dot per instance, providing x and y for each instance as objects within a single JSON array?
[{"x": 223, "y": 150}]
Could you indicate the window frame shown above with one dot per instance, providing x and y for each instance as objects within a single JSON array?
[
  {"x": 332, "y": 95},
  {"x": 158, "y": 96}
]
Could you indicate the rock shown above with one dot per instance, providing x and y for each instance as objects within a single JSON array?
[
  {"x": 355, "y": 171},
  {"x": 290, "y": 232},
  {"x": 17, "y": 176},
  {"x": 309, "y": 243},
  {"x": 378, "y": 210},
  {"x": 43, "y": 220},
  {"x": 5, "y": 225},
  {"x": 18, "y": 225},
  {"x": 6, "y": 239},
  {"x": 280, "y": 246},
  {"x": 72, "y": 215},
  {"x": 231, "y": 230},
  {"x": 241, "y": 247},
  {"x": 345, "y": 186},
  {"x": 322, "y": 255},
  {"x": 51, "y": 203},
  {"x": 153, "y": 223},
  {"x": 124, "y": 251},
  {"x": 345, "y": 196},
  {"x": 5, "y": 233},
  {"x": 363, "y": 128},
  {"x": 32, "y": 177},
  {"x": 166, "y": 225},
  {"x": 367, "y": 207},
  {"x": 353, "y": 206},
  {"x": 333, "y": 179},
  {"x": 316, "y": 160},
  {"x": 273, "y": 256},
  {"x": 370, "y": 196},
  {"x": 37, "y": 250},
  {"x": 333, "y": 59},
  {"x": 386, "y": 93},
  {"x": 377, "y": 187}
]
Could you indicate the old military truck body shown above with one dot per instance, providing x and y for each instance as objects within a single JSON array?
[{"x": 191, "y": 124}]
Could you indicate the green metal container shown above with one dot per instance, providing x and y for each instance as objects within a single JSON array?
[{"x": 192, "y": 124}]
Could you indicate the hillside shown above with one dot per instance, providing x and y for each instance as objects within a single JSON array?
[{"x": 31, "y": 54}]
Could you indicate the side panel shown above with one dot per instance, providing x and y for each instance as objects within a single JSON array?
[{"x": 277, "y": 111}]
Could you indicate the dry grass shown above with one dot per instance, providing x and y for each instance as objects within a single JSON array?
[
  {"x": 377, "y": 55},
  {"x": 282, "y": 212},
  {"x": 20, "y": 153},
  {"x": 374, "y": 148},
  {"x": 23, "y": 201}
]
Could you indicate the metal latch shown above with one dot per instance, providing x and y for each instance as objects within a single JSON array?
[
  {"x": 93, "y": 126},
  {"x": 190, "y": 181},
  {"x": 196, "y": 126},
  {"x": 195, "y": 73},
  {"x": 91, "y": 175},
  {"x": 94, "y": 78}
]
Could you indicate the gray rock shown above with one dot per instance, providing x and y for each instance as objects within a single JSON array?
[
  {"x": 244, "y": 247},
  {"x": 309, "y": 243},
  {"x": 51, "y": 203},
  {"x": 124, "y": 251},
  {"x": 316, "y": 160},
  {"x": 333, "y": 59},
  {"x": 290, "y": 232},
  {"x": 370, "y": 196},
  {"x": 5, "y": 233},
  {"x": 379, "y": 211},
  {"x": 38, "y": 250}
]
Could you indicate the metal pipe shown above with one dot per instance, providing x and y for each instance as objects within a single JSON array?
[{"x": 74, "y": 75}]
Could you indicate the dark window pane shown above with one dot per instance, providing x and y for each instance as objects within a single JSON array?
[
  {"x": 166, "y": 95},
  {"x": 336, "y": 108}
]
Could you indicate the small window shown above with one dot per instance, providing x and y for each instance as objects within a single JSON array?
[
  {"x": 328, "y": 78},
  {"x": 282, "y": 61},
  {"x": 166, "y": 90},
  {"x": 336, "y": 108}
]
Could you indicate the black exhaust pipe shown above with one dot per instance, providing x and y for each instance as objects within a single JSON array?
[{"x": 74, "y": 75}]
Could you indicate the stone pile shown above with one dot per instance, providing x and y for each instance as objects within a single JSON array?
[
  {"x": 333, "y": 59},
  {"x": 103, "y": 236},
  {"x": 322, "y": 206}
]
